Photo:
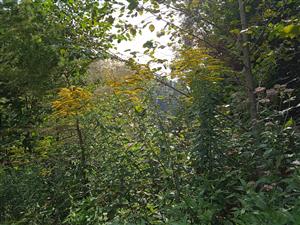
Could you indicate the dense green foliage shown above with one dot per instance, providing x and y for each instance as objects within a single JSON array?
[{"x": 85, "y": 140}]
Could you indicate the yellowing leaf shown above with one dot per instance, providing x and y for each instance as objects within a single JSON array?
[
  {"x": 71, "y": 101},
  {"x": 196, "y": 59}
]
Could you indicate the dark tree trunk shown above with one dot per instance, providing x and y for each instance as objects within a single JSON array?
[{"x": 247, "y": 64}]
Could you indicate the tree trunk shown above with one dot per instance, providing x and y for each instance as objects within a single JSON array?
[{"x": 247, "y": 64}]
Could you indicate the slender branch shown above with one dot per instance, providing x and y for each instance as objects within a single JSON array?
[
  {"x": 188, "y": 12},
  {"x": 188, "y": 32}
]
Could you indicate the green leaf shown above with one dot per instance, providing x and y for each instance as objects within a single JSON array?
[
  {"x": 132, "y": 4},
  {"x": 288, "y": 29},
  {"x": 138, "y": 108},
  {"x": 235, "y": 31},
  {"x": 148, "y": 44},
  {"x": 289, "y": 123},
  {"x": 141, "y": 12},
  {"x": 110, "y": 19},
  {"x": 151, "y": 27},
  {"x": 291, "y": 31},
  {"x": 132, "y": 31}
]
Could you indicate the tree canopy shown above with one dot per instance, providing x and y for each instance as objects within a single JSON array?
[{"x": 90, "y": 137}]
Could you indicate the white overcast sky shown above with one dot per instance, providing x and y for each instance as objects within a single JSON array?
[{"x": 137, "y": 43}]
